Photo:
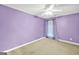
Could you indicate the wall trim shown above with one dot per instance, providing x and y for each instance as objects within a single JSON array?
[
  {"x": 23, "y": 44},
  {"x": 68, "y": 42}
]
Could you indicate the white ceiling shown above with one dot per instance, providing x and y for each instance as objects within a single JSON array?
[{"x": 36, "y": 9}]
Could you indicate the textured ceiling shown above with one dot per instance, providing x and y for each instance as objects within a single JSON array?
[{"x": 36, "y": 9}]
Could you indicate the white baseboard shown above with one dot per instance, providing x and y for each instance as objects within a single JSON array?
[
  {"x": 68, "y": 42},
  {"x": 23, "y": 45},
  {"x": 38, "y": 40}
]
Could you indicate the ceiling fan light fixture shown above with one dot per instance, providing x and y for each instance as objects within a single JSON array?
[{"x": 47, "y": 13}]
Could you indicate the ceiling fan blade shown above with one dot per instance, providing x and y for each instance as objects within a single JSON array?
[
  {"x": 56, "y": 10},
  {"x": 50, "y": 7},
  {"x": 47, "y": 6}
]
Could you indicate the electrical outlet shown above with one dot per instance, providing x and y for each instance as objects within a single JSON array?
[{"x": 70, "y": 38}]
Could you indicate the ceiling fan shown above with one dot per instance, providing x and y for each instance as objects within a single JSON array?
[{"x": 48, "y": 10}]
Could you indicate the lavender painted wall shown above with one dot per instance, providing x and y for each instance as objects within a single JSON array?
[
  {"x": 67, "y": 27},
  {"x": 17, "y": 28}
]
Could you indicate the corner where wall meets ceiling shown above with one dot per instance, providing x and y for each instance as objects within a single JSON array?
[{"x": 39, "y": 9}]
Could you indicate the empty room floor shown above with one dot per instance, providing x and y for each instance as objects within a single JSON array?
[{"x": 46, "y": 47}]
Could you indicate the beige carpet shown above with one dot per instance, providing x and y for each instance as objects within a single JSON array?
[{"x": 46, "y": 47}]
